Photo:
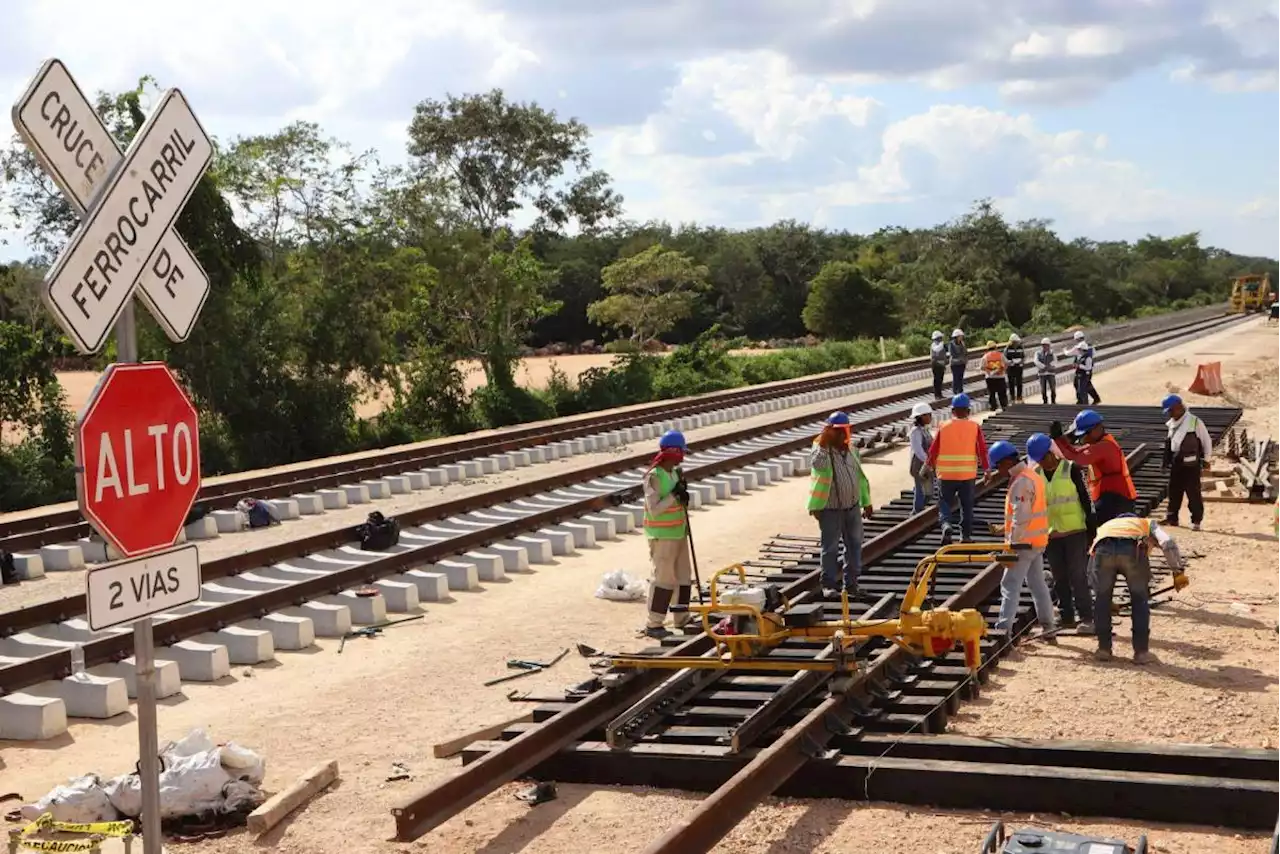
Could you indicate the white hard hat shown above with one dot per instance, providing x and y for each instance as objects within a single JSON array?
[
  {"x": 1045, "y": 341},
  {"x": 1014, "y": 339},
  {"x": 921, "y": 409},
  {"x": 1079, "y": 336},
  {"x": 956, "y": 333},
  {"x": 936, "y": 335}
]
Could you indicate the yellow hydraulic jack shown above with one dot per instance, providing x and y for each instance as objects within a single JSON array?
[{"x": 745, "y": 632}]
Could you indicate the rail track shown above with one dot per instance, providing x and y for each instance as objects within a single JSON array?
[
  {"x": 334, "y": 483},
  {"x": 283, "y": 596},
  {"x": 743, "y": 735}
]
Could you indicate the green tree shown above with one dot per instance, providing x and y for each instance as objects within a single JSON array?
[
  {"x": 648, "y": 293},
  {"x": 843, "y": 303}
]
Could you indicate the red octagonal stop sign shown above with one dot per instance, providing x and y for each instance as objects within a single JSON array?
[{"x": 138, "y": 457}]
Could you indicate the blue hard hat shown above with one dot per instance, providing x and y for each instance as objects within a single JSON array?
[
  {"x": 838, "y": 419},
  {"x": 672, "y": 439},
  {"x": 1002, "y": 451},
  {"x": 960, "y": 401},
  {"x": 1085, "y": 421},
  {"x": 1169, "y": 403},
  {"x": 1038, "y": 445},
  {"x": 1126, "y": 516}
]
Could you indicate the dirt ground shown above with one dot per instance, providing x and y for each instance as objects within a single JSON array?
[{"x": 391, "y": 699}]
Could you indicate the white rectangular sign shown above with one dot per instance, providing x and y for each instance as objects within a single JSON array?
[
  {"x": 120, "y": 236},
  {"x": 132, "y": 589},
  {"x": 62, "y": 129}
]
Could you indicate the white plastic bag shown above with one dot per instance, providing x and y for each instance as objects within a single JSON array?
[
  {"x": 81, "y": 799},
  {"x": 621, "y": 586}
]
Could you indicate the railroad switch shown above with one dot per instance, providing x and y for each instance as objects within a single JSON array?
[{"x": 1036, "y": 841}]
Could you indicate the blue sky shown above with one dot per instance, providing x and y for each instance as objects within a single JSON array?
[{"x": 1113, "y": 118}]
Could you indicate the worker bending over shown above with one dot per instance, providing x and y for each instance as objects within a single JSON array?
[
  {"x": 959, "y": 355},
  {"x": 1026, "y": 531},
  {"x": 939, "y": 358},
  {"x": 958, "y": 452},
  {"x": 1110, "y": 485},
  {"x": 1082, "y": 356},
  {"x": 666, "y": 525},
  {"x": 1187, "y": 450},
  {"x": 1016, "y": 358},
  {"x": 994, "y": 370},
  {"x": 1071, "y": 529},
  {"x": 921, "y": 439},
  {"x": 1044, "y": 366},
  {"x": 1121, "y": 548},
  {"x": 839, "y": 498}
]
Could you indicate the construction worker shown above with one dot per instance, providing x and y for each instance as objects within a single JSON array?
[
  {"x": 994, "y": 369},
  {"x": 958, "y": 353},
  {"x": 839, "y": 498},
  {"x": 921, "y": 438},
  {"x": 1081, "y": 355},
  {"x": 1110, "y": 485},
  {"x": 1044, "y": 367},
  {"x": 958, "y": 453},
  {"x": 939, "y": 358},
  {"x": 1016, "y": 359},
  {"x": 1186, "y": 453},
  {"x": 1121, "y": 547},
  {"x": 1071, "y": 531},
  {"x": 666, "y": 525},
  {"x": 1026, "y": 530}
]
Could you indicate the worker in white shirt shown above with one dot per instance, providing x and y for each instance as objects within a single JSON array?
[
  {"x": 939, "y": 358},
  {"x": 921, "y": 438},
  {"x": 1186, "y": 453},
  {"x": 1082, "y": 355}
]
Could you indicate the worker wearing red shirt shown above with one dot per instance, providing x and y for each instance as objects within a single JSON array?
[{"x": 1110, "y": 485}]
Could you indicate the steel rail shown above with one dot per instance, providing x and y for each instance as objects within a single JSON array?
[
  {"x": 65, "y": 525},
  {"x": 16, "y": 676}
]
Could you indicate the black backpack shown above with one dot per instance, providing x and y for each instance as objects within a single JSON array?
[
  {"x": 8, "y": 569},
  {"x": 378, "y": 532}
]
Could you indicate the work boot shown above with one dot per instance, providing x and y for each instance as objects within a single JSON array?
[
  {"x": 946, "y": 536},
  {"x": 1169, "y": 523},
  {"x": 1066, "y": 623},
  {"x": 830, "y": 594},
  {"x": 1101, "y": 654},
  {"x": 1144, "y": 657},
  {"x": 1085, "y": 628},
  {"x": 656, "y": 632},
  {"x": 1195, "y": 526}
]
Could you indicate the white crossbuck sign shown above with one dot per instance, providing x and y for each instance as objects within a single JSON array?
[{"x": 130, "y": 202}]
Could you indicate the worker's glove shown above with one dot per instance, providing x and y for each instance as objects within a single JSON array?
[
  {"x": 1055, "y": 430},
  {"x": 1204, "y": 465},
  {"x": 926, "y": 473},
  {"x": 868, "y": 512},
  {"x": 681, "y": 492}
]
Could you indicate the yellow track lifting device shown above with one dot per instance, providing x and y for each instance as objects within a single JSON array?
[{"x": 745, "y": 633}]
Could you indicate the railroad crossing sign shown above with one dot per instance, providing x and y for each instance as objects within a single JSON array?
[
  {"x": 138, "y": 457},
  {"x": 129, "y": 201},
  {"x": 129, "y": 589}
]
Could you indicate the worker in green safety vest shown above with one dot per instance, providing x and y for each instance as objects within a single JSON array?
[
  {"x": 1071, "y": 528},
  {"x": 666, "y": 525},
  {"x": 838, "y": 490}
]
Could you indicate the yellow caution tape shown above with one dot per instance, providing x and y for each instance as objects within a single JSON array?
[
  {"x": 46, "y": 822},
  {"x": 57, "y": 844}
]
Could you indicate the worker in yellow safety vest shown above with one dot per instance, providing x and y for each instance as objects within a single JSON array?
[
  {"x": 1026, "y": 531},
  {"x": 1071, "y": 527},
  {"x": 1121, "y": 547},
  {"x": 958, "y": 453},
  {"x": 666, "y": 526},
  {"x": 839, "y": 498}
]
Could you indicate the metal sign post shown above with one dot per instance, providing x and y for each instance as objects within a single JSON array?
[{"x": 126, "y": 241}]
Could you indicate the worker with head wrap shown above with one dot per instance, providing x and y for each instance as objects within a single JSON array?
[{"x": 666, "y": 526}]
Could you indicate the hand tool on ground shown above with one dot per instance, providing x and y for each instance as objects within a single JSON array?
[
  {"x": 527, "y": 668},
  {"x": 744, "y": 634},
  {"x": 374, "y": 629}
]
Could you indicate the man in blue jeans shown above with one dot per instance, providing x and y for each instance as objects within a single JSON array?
[
  {"x": 958, "y": 453},
  {"x": 839, "y": 498},
  {"x": 1121, "y": 548}
]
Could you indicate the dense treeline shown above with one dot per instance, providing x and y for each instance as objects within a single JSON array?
[{"x": 335, "y": 276}]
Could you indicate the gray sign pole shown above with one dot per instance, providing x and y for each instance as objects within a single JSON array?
[{"x": 144, "y": 658}]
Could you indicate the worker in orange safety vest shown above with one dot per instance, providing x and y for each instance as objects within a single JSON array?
[
  {"x": 958, "y": 453},
  {"x": 1026, "y": 531}
]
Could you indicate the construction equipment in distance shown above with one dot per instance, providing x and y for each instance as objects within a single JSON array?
[
  {"x": 1251, "y": 293},
  {"x": 747, "y": 622}
]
